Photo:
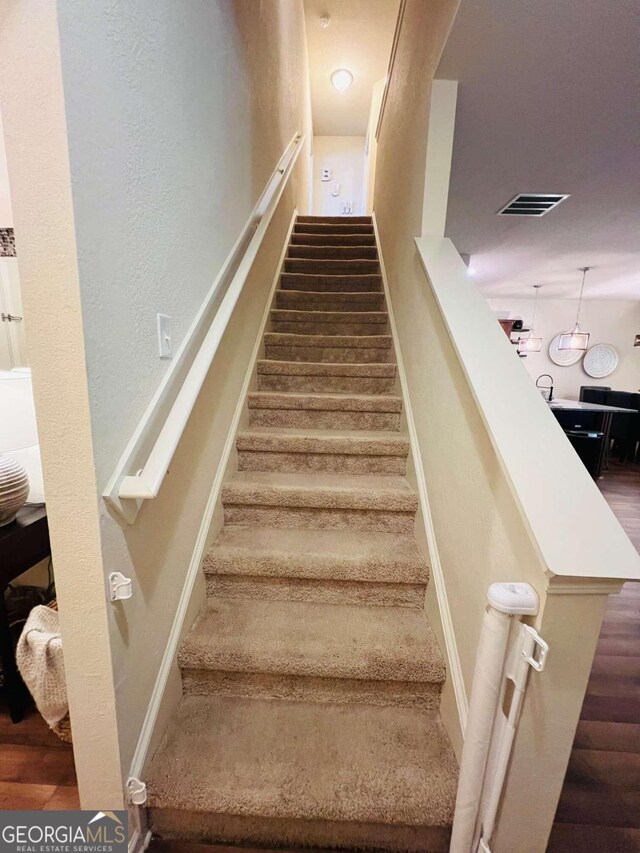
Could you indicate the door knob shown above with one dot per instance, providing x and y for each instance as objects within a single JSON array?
[{"x": 10, "y": 318}]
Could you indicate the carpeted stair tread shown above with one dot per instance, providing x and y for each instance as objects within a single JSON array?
[
  {"x": 354, "y": 252},
  {"x": 321, "y": 368},
  {"x": 325, "y": 402},
  {"x": 330, "y": 283},
  {"x": 327, "y": 265},
  {"x": 332, "y": 228},
  {"x": 336, "y": 323},
  {"x": 306, "y": 239},
  {"x": 335, "y": 491},
  {"x": 326, "y": 377},
  {"x": 311, "y": 679},
  {"x": 304, "y": 761},
  {"x": 301, "y": 316},
  {"x": 329, "y": 341},
  {"x": 291, "y": 440},
  {"x": 335, "y": 220},
  {"x": 307, "y": 300},
  {"x": 313, "y": 640},
  {"x": 348, "y": 555}
]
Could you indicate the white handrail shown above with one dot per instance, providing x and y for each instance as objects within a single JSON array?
[{"x": 125, "y": 490}]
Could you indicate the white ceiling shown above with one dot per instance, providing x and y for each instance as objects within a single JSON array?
[
  {"x": 548, "y": 101},
  {"x": 358, "y": 38}
]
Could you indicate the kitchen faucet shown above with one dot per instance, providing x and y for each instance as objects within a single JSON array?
[{"x": 545, "y": 390}]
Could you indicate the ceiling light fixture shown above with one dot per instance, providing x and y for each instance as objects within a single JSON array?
[
  {"x": 532, "y": 343},
  {"x": 576, "y": 339},
  {"x": 341, "y": 79}
]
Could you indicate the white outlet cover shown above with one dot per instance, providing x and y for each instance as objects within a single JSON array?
[{"x": 165, "y": 349}]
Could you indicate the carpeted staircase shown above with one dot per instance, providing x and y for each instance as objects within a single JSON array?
[{"x": 312, "y": 680}]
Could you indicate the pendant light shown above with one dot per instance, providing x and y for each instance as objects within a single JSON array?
[
  {"x": 576, "y": 339},
  {"x": 532, "y": 343}
]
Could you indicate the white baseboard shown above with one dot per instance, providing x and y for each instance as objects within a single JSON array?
[
  {"x": 142, "y": 748},
  {"x": 455, "y": 667}
]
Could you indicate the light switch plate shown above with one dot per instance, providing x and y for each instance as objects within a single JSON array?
[{"x": 164, "y": 336}]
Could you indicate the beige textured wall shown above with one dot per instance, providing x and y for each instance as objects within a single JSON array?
[
  {"x": 480, "y": 532},
  {"x": 398, "y": 205},
  {"x": 113, "y": 653},
  {"x": 6, "y": 216},
  {"x": 157, "y": 549},
  {"x": 36, "y": 141}
]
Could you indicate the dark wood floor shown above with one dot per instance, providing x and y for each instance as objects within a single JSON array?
[
  {"x": 36, "y": 769},
  {"x": 599, "y": 810}
]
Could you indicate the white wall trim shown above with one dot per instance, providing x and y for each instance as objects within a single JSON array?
[
  {"x": 455, "y": 667},
  {"x": 142, "y": 748},
  {"x": 583, "y": 588},
  {"x": 392, "y": 62}
]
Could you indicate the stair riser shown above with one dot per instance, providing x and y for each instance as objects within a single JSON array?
[
  {"x": 319, "y": 518},
  {"x": 316, "y": 591},
  {"x": 324, "y": 228},
  {"x": 329, "y": 355},
  {"x": 325, "y": 384},
  {"x": 249, "y": 685},
  {"x": 310, "y": 328},
  {"x": 333, "y": 252},
  {"x": 334, "y": 463},
  {"x": 230, "y": 829},
  {"x": 288, "y": 300},
  {"x": 324, "y": 419},
  {"x": 317, "y": 267},
  {"x": 333, "y": 240},
  {"x": 332, "y": 283}
]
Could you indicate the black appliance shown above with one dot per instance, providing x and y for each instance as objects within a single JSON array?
[{"x": 588, "y": 446}]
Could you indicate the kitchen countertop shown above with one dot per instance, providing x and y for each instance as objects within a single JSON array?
[{"x": 577, "y": 406}]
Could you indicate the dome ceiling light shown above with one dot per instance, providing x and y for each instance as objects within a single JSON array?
[{"x": 341, "y": 79}]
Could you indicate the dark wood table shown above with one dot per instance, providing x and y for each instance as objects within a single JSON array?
[{"x": 23, "y": 543}]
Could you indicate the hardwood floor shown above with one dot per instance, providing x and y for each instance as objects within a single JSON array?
[
  {"x": 36, "y": 769},
  {"x": 599, "y": 810}
]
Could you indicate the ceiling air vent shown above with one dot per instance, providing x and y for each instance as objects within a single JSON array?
[{"x": 532, "y": 204}]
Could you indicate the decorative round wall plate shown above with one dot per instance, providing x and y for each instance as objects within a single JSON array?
[
  {"x": 600, "y": 360},
  {"x": 563, "y": 357}
]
